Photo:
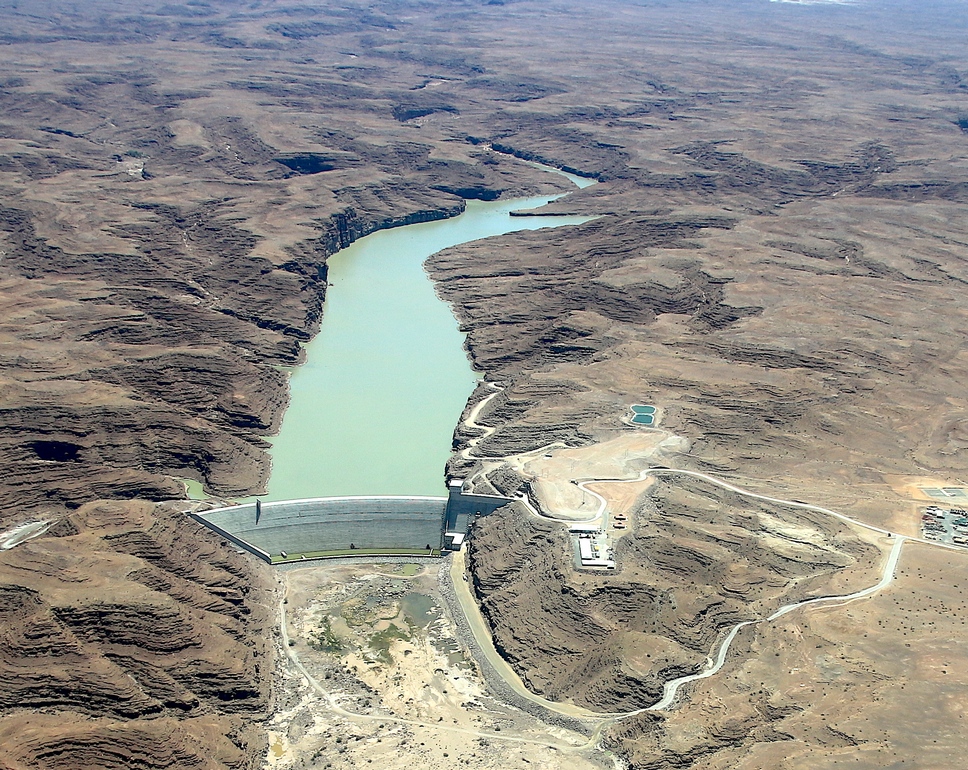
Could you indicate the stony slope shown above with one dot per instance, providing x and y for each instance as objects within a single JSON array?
[
  {"x": 779, "y": 265},
  {"x": 165, "y": 226},
  {"x": 129, "y": 640},
  {"x": 694, "y": 565}
]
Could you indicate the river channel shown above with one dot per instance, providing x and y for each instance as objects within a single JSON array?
[{"x": 373, "y": 409}]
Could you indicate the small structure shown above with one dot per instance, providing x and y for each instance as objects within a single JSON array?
[
  {"x": 592, "y": 551},
  {"x": 583, "y": 529},
  {"x": 462, "y": 509},
  {"x": 453, "y": 540}
]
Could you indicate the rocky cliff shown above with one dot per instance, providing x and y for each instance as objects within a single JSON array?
[
  {"x": 695, "y": 564},
  {"x": 130, "y": 639}
]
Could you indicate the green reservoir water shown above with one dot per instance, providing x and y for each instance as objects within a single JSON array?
[{"x": 374, "y": 407}]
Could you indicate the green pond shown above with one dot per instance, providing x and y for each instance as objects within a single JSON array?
[
  {"x": 419, "y": 608},
  {"x": 374, "y": 407}
]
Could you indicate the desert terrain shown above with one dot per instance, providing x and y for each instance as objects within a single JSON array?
[
  {"x": 391, "y": 686},
  {"x": 777, "y": 264}
]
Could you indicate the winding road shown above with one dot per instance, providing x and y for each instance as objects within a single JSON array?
[
  {"x": 471, "y": 422},
  {"x": 671, "y": 690},
  {"x": 713, "y": 666},
  {"x": 714, "y": 662}
]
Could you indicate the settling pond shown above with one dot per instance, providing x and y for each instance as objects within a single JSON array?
[{"x": 374, "y": 407}]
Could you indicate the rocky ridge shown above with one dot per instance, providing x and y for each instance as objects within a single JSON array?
[
  {"x": 695, "y": 565},
  {"x": 129, "y": 638}
]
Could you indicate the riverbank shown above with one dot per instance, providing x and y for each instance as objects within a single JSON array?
[{"x": 373, "y": 408}]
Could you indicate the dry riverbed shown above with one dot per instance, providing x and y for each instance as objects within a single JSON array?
[{"x": 396, "y": 687}]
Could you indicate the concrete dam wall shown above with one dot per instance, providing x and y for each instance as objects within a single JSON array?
[
  {"x": 325, "y": 525},
  {"x": 334, "y": 526}
]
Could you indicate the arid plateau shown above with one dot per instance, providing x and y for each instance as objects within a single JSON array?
[{"x": 774, "y": 276}]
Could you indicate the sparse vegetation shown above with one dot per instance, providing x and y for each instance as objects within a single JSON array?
[
  {"x": 325, "y": 640},
  {"x": 379, "y": 644}
]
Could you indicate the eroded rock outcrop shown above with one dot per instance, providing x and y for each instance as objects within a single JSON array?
[
  {"x": 696, "y": 564},
  {"x": 140, "y": 636}
]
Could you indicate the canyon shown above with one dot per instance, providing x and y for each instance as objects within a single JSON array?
[{"x": 777, "y": 263}]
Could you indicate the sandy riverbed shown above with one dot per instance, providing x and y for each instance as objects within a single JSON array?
[{"x": 379, "y": 642}]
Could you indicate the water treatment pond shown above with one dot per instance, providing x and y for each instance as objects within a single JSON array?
[{"x": 374, "y": 407}]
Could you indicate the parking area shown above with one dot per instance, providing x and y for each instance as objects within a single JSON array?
[{"x": 945, "y": 525}]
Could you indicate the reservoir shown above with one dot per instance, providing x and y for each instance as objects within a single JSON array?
[{"x": 374, "y": 407}]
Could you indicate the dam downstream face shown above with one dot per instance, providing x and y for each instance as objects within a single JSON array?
[{"x": 373, "y": 409}]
